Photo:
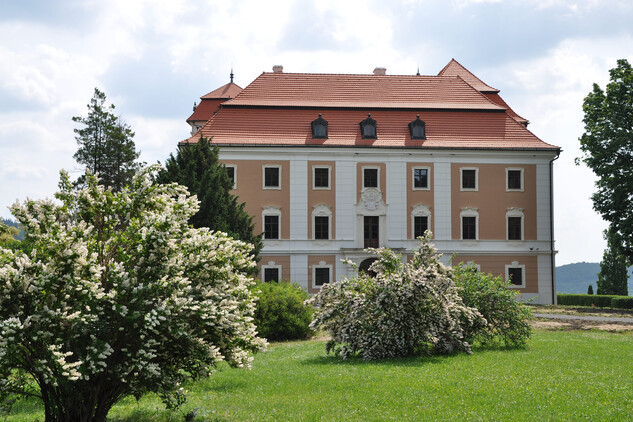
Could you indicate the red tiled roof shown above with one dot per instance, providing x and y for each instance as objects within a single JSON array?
[
  {"x": 227, "y": 91},
  {"x": 496, "y": 98},
  {"x": 361, "y": 91},
  {"x": 204, "y": 111},
  {"x": 454, "y": 68},
  {"x": 444, "y": 129}
]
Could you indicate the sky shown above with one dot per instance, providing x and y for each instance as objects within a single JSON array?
[{"x": 153, "y": 59}]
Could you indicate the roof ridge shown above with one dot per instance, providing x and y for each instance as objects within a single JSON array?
[{"x": 462, "y": 67}]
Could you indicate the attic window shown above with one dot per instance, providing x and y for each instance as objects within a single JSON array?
[
  {"x": 319, "y": 128},
  {"x": 368, "y": 128},
  {"x": 417, "y": 128}
]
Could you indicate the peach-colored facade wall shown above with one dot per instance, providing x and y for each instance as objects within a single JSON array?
[
  {"x": 418, "y": 196},
  {"x": 321, "y": 196},
  {"x": 249, "y": 174},
  {"x": 282, "y": 260},
  {"x": 315, "y": 260},
  {"x": 495, "y": 265},
  {"x": 492, "y": 200}
]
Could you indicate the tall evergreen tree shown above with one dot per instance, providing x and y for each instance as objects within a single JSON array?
[
  {"x": 196, "y": 166},
  {"x": 105, "y": 143},
  {"x": 613, "y": 276}
]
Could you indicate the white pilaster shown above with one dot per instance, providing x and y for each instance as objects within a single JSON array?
[
  {"x": 298, "y": 200},
  {"x": 345, "y": 199},
  {"x": 442, "y": 200},
  {"x": 396, "y": 200}
]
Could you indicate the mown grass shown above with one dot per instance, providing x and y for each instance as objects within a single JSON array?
[{"x": 562, "y": 375}]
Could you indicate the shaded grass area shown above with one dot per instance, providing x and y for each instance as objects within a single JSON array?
[{"x": 568, "y": 375}]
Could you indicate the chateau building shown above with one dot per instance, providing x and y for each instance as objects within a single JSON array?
[{"x": 330, "y": 164}]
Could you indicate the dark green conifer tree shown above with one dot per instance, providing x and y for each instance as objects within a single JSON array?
[
  {"x": 613, "y": 276},
  {"x": 196, "y": 166},
  {"x": 105, "y": 143}
]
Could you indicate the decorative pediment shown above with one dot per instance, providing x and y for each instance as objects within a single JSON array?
[{"x": 371, "y": 203}]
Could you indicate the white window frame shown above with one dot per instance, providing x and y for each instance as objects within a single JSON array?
[
  {"x": 428, "y": 177},
  {"x": 521, "y": 169},
  {"x": 268, "y": 166},
  {"x": 461, "y": 179},
  {"x": 234, "y": 167},
  {"x": 321, "y": 264},
  {"x": 515, "y": 212},
  {"x": 420, "y": 210},
  {"x": 473, "y": 264},
  {"x": 271, "y": 211},
  {"x": 515, "y": 264},
  {"x": 322, "y": 210},
  {"x": 362, "y": 175},
  {"x": 329, "y": 177},
  {"x": 271, "y": 264},
  {"x": 468, "y": 212}
]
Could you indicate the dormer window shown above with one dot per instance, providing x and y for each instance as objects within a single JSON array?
[
  {"x": 417, "y": 129},
  {"x": 368, "y": 128},
  {"x": 319, "y": 128}
]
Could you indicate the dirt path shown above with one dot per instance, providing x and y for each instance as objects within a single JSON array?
[{"x": 566, "y": 318}]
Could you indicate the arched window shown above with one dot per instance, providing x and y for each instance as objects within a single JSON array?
[
  {"x": 319, "y": 128},
  {"x": 417, "y": 129},
  {"x": 368, "y": 128},
  {"x": 420, "y": 220}
]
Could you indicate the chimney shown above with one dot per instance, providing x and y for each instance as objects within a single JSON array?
[
  {"x": 278, "y": 68},
  {"x": 380, "y": 71}
]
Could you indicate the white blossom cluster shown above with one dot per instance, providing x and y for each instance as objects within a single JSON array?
[
  {"x": 117, "y": 295},
  {"x": 406, "y": 309}
]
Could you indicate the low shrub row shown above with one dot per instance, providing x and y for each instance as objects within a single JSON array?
[{"x": 599, "y": 301}]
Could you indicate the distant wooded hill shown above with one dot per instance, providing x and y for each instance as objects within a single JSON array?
[
  {"x": 11, "y": 223},
  {"x": 575, "y": 278}
]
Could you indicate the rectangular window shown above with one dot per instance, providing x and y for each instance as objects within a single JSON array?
[
  {"x": 321, "y": 276},
  {"x": 370, "y": 178},
  {"x": 469, "y": 228},
  {"x": 321, "y": 228},
  {"x": 271, "y": 227},
  {"x": 420, "y": 225},
  {"x": 515, "y": 276},
  {"x": 271, "y": 177},
  {"x": 514, "y": 228},
  {"x": 271, "y": 274},
  {"x": 420, "y": 178},
  {"x": 321, "y": 177},
  {"x": 515, "y": 179},
  {"x": 370, "y": 232},
  {"x": 469, "y": 179},
  {"x": 230, "y": 171}
]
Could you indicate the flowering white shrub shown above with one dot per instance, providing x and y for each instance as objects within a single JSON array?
[
  {"x": 119, "y": 296},
  {"x": 406, "y": 309}
]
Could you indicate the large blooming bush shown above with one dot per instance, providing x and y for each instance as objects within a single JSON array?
[
  {"x": 406, "y": 309},
  {"x": 508, "y": 319},
  {"x": 119, "y": 296}
]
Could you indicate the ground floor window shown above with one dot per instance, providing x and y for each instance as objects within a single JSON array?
[{"x": 515, "y": 275}]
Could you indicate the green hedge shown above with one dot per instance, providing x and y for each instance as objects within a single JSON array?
[
  {"x": 625, "y": 302},
  {"x": 599, "y": 301}
]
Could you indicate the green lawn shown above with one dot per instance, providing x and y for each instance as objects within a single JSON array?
[{"x": 563, "y": 375}]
